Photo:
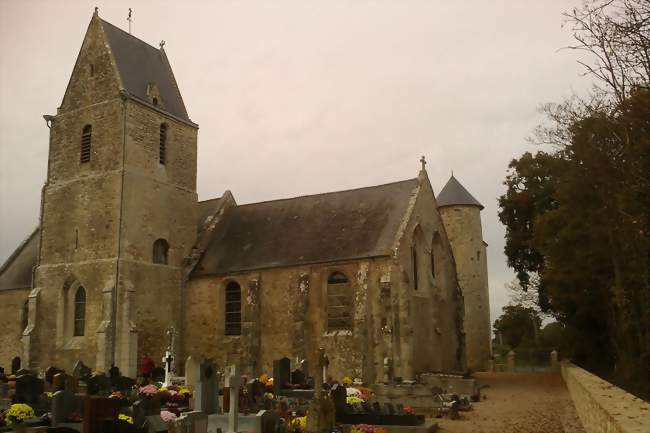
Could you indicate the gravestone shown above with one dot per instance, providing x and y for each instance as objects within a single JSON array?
[
  {"x": 71, "y": 383},
  {"x": 114, "y": 374},
  {"x": 58, "y": 382},
  {"x": 28, "y": 389},
  {"x": 389, "y": 408},
  {"x": 98, "y": 410},
  {"x": 81, "y": 370},
  {"x": 123, "y": 383},
  {"x": 64, "y": 404},
  {"x": 281, "y": 374},
  {"x": 158, "y": 374},
  {"x": 192, "y": 422},
  {"x": 233, "y": 381},
  {"x": 50, "y": 372},
  {"x": 298, "y": 378},
  {"x": 144, "y": 408},
  {"x": 99, "y": 385},
  {"x": 191, "y": 372},
  {"x": 339, "y": 396},
  {"x": 155, "y": 424},
  {"x": 207, "y": 389},
  {"x": 15, "y": 365}
]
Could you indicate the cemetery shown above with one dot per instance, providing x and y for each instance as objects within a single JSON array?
[{"x": 209, "y": 398}]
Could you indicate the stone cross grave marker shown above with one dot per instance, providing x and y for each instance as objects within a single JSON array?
[
  {"x": 233, "y": 381},
  {"x": 192, "y": 367},
  {"x": 207, "y": 388}
]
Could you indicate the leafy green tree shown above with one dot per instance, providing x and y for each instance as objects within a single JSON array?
[
  {"x": 578, "y": 217},
  {"x": 516, "y": 323}
]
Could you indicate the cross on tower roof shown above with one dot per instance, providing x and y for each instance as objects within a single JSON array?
[{"x": 423, "y": 161}]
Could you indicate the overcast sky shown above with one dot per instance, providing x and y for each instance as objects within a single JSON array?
[{"x": 300, "y": 97}]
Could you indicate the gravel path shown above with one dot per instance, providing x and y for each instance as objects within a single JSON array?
[{"x": 519, "y": 403}]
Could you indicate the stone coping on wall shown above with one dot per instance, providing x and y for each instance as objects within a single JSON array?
[{"x": 603, "y": 407}]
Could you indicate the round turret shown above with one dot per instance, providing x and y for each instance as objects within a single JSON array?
[{"x": 461, "y": 215}]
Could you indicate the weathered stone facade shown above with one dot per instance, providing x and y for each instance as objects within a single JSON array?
[
  {"x": 123, "y": 235},
  {"x": 462, "y": 221},
  {"x": 284, "y": 309}
]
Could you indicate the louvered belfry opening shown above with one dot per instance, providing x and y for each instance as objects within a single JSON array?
[
  {"x": 339, "y": 314},
  {"x": 86, "y": 138},
  {"x": 233, "y": 309},
  {"x": 163, "y": 143}
]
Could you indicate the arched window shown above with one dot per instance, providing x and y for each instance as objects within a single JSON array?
[
  {"x": 339, "y": 314},
  {"x": 435, "y": 253},
  {"x": 163, "y": 144},
  {"x": 86, "y": 137},
  {"x": 160, "y": 250},
  {"x": 233, "y": 309},
  {"x": 414, "y": 258},
  {"x": 420, "y": 260},
  {"x": 79, "y": 312}
]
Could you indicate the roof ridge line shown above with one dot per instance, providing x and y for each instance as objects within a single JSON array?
[
  {"x": 129, "y": 34},
  {"x": 18, "y": 249},
  {"x": 325, "y": 193}
]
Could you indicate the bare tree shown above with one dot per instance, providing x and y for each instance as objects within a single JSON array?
[{"x": 616, "y": 33}]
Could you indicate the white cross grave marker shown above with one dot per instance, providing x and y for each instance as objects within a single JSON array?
[{"x": 233, "y": 381}]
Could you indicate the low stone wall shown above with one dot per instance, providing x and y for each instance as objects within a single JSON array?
[{"x": 603, "y": 407}]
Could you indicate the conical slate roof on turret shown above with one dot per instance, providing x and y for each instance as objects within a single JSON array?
[{"x": 455, "y": 194}]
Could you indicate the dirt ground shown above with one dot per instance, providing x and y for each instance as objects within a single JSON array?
[{"x": 518, "y": 403}]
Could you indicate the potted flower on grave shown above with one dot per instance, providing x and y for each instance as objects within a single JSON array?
[
  {"x": 168, "y": 416},
  {"x": 17, "y": 414},
  {"x": 148, "y": 391}
]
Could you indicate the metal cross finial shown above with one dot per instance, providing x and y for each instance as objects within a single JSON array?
[
  {"x": 162, "y": 44},
  {"x": 423, "y": 161},
  {"x": 129, "y": 19},
  {"x": 96, "y": 10}
]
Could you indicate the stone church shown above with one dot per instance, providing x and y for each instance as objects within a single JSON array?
[{"x": 385, "y": 278}]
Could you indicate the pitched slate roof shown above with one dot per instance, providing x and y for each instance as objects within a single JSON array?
[
  {"x": 318, "y": 228},
  {"x": 453, "y": 194},
  {"x": 139, "y": 64},
  {"x": 16, "y": 272}
]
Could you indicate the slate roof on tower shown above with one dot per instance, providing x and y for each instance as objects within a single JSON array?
[
  {"x": 455, "y": 194},
  {"x": 140, "y": 64},
  {"x": 335, "y": 226}
]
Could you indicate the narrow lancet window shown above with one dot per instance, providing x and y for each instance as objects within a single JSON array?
[
  {"x": 163, "y": 144},
  {"x": 86, "y": 137},
  {"x": 160, "y": 251},
  {"x": 79, "y": 312},
  {"x": 233, "y": 309}
]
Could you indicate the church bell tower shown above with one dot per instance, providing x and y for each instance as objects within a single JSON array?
[{"x": 117, "y": 211}]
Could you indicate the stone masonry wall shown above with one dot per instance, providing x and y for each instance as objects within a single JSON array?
[
  {"x": 292, "y": 313},
  {"x": 80, "y": 213},
  {"x": 603, "y": 407},
  {"x": 429, "y": 335},
  {"x": 463, "y": 225},
  {"x": 11, "y": 324}
]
